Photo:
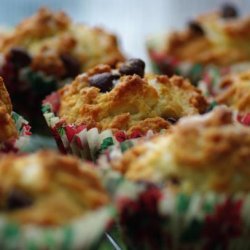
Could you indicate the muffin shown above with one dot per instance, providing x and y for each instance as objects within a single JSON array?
[
  {"x": 191, "y": 187},
  {"x": 211, "y": 45},
  {"x": 14, "y": 129},
  {"x": 105, "y": 106},
  {"x": 234, "y": 92},
  {"x": 50, "y": 201},
  {"x": 47, "y": 49}
]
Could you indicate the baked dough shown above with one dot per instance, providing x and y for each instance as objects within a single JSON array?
[
  {"x": 223, "y": 42},
  {"x": 47, "y": 35},
  {"x": 7, "y": 125},
  {"x": 48, "y": 189},
  {"x": 134, "y": 103},
  {"x": 205, "y": 153}
]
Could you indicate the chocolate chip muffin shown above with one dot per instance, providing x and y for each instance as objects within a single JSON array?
[
  {"x": 125, "y": 99},
  {"x": 48, "y": 189},
  {"x": 120, "y": 103},
  {"x": 48, "y": 195},
  {"x": 211, "y": 45},
  {"x": 190, "y": 188},
  {"x": 203, "y": 153},
  {"x": 45, "y": 50}
]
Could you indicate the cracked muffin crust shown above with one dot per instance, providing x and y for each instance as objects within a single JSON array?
[
  {"x": 209, "y": 152},
  {"x": 48, "y": 189},
  {"x": 121, "y": 99},
  {"x": 54, "y": 41},
  {"x": 8, "y": 129}
]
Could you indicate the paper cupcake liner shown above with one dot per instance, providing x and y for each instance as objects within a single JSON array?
[
  {"x": 154, "y": 218},
  {"x": 78, "y": 140},
  {"x": 23, "y": 128},
  {"x": 82, "y": 233}
]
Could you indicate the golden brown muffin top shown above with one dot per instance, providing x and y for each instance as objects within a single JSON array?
[
  {"x": 236, "y": 91},
  {"x": 7, "y": 125},
  {"x": 128, "y": 102},
  {"x": 47, "y": 36},
  {"x": 201, "y": 153},
  {"x": 212, "y": 38},
  {"x": 48, "y": 189}
]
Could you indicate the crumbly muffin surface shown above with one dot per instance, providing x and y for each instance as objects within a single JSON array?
[
  {"x": 129, "y": 102},
  {"x": 203, "y": 153},
  {"x": 48, "y": 189},
  {"x": 49, "y": 37},
  {"x": 7, "y": 125}
]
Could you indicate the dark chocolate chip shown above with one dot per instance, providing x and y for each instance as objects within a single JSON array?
[
  {"x": 116, "y": 76},
  {"x": 103, "y": 81},
  {"x": 174, "y": 180},
  {"x": 18, "y": 199},
  {"x": 172, "y": 120},
  {"x": 19, "y": 57},
  {"x": 196, "y": 28},
  {"x": 72, "y": 66},
  {"x": 228, "y": 10},
  {"x": 133, "y": 66}
]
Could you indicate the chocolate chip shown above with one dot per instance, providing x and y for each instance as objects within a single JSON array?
[
  {"x": 133, "y": 66},
  {"x": 229, "y": 11},
  {"x": 174, "y": 180},
  {"x": 72, "y": 66},
  {"x": 196, "y": 28},
  {"x": 172, "y": 120},
  {"x": 19, "y": 57},
  {"x": 18, "y": 199},
  {"x": 103, "y": 81}
]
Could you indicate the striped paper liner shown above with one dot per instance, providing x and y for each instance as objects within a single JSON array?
[
  {"x": 153, "y": 217},
  {"x": 23, "y": 129},
  {"x": 85, "y": 143},
  {"x": 82, "y": 233}
]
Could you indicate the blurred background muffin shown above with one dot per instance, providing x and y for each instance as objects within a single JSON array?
[
  {"x": 213, "y": 41},
  {"x": 49, "y": 195},
  {"x": 44, "y": 51},
  {"x": 123, "y": 18}
]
